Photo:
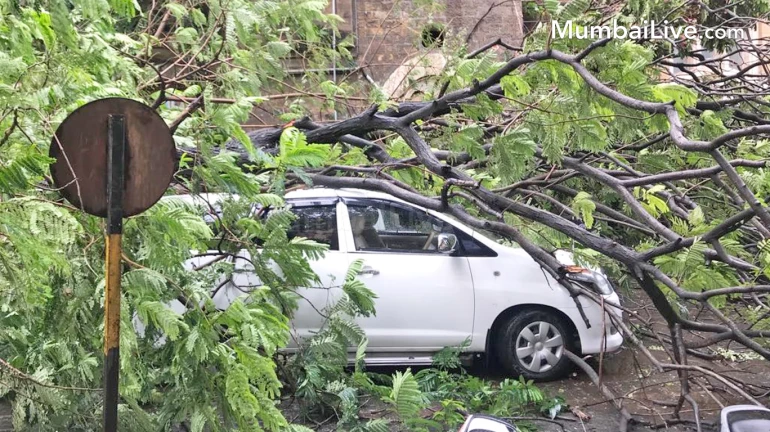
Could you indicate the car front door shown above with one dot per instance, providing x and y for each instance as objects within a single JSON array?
[{"x": 425, "y": 297}]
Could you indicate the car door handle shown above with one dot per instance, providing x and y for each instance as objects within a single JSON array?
[{"x": 368, "y": 270}]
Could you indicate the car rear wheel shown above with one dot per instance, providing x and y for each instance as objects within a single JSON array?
[{"x": 532, "y": 344}]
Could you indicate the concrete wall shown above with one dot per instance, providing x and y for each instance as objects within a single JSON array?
[{"x": 389, "y": 31}]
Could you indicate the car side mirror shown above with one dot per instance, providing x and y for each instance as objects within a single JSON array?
[
  {"x": 447, "y": 243},
  {"x": 483, "y": 423}
]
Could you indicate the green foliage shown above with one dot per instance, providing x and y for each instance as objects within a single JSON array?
[
  {"x": 764, "y": 256},
  {"x": 691, "y": 271},
  {"x": 296, "y": 152},
  {"x": 709, "y": 126},
  {"x": 449, "y": 388},
  {"x": 448, "y": 359},
  {"x": 405, "y": 396},
  {"x": 573, "y": 9},
  {"x": 468, "y": 70},
  {"x": 213, "y": 369},
  {"x": 317, "y": 372},
  {"x": 469, "y": 140},
  {"x": 583, "y": 206},
  {"x": 513, "y": 154},
  {"x": 358, "y": 300},
  {"x": 652, "y": 203},
  {"x": 445, "y": 388},
  {"x": 514, "y": 85},
  {"x": 683, "y": 97},
  {"x": 18, "y": 173}
]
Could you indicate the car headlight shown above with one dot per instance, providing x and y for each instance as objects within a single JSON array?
[{"x": 596, "y": 280}]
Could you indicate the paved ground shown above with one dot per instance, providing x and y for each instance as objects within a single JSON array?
[{"x": 5, "y": 418}]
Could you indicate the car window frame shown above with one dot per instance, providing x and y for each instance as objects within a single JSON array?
[
  {"x": 459, "y": 251},
  {"x": 324, "y": 202}
]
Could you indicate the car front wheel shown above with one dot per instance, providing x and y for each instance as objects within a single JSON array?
[{"x": 532, "y": 344}]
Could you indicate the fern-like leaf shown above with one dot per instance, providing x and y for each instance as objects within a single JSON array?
[{"x": 405, "y": 395}]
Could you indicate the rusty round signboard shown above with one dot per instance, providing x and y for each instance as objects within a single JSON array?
[{"x": 80, "y": 149}]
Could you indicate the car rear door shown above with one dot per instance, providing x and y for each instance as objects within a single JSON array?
[{"x": 318, "y": 221}]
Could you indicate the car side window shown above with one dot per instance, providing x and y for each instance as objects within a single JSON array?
[
  {"x": 382, "y": 226},
  {"x": 318, "y": 223},
  {"x": 472, "y": 247}
]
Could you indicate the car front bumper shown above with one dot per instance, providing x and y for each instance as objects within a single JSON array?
[{"x": 602, "y": 339}]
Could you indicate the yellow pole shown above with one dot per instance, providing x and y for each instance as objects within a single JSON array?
[{"x": 112, "y": 294}]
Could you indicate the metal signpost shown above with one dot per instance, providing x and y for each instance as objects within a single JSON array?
[
  {"x": 114, "y": 158},
  {"x": 116, "y": 152}
]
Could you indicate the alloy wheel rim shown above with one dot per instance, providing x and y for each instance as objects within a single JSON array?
[{"x": 539, "y": 346}]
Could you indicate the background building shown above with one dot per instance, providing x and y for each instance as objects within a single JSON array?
[{"x": 397, "y": 42}]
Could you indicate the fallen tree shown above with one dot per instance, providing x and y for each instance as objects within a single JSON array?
[
  {"x": 692, "y": 233},
  {"x": 653, "y": 166}
]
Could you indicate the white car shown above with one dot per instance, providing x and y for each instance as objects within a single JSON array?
[
  {"x": 744, "y": 418},
  {"x": 438, "y": 283},
  {"x": 484, "y": 423}
]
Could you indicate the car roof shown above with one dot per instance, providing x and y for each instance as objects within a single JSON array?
[
  {"x": 322, "y": 192},
  {"x": 735, "y": 408},
  {"x": 299, "y": 194}
]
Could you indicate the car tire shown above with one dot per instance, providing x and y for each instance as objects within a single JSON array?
[{"x": 522, "y": 349}]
